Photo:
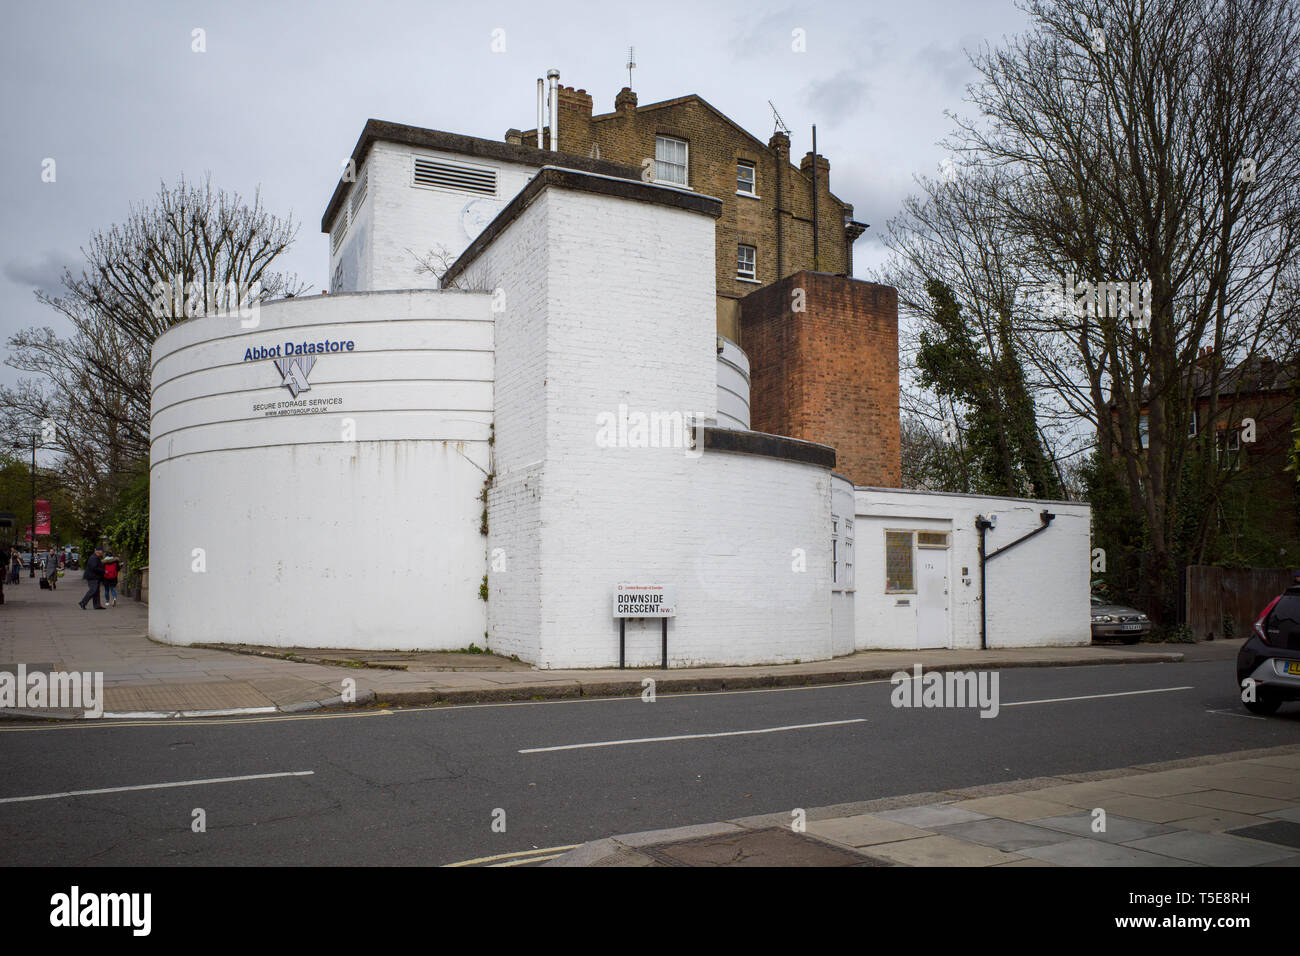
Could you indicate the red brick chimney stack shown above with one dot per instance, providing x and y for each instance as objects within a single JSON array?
[{"x": 625, "y": 101}]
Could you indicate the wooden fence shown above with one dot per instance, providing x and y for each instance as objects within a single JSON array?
[{"x": 1239, "y": 593}]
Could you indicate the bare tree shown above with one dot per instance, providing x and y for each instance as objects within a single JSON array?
[
  {"x": 954, "y": 232},
  {"x": 1152, "y": 141},
  {"x": 191, "y": 251}
]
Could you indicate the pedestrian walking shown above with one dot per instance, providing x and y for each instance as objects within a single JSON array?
[
  {"x": 52, "y": 568},
  {"x": 111, "y": 565},
  {"x": 15, "y": 566},
  {"x": 93, "y": 575}
]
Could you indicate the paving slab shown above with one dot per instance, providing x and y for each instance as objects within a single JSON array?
[
  {"x": 1290, "y": 813},
  {"x": 1022, "y": 807},
  {"x": 1081, "y": 852},
  {"x": 940, "y": 850},
  {"x": 1154, "y": 785},
  {"x": 1118, "y": 829},
  {"x": 1151, "y": 809},
  {"x": 1082, "y": 795},
  {"x": 1215, "y": 821},
  {"x": 184, "y": 697},
  {"x": 934, "y": 815},
  {"x": 1212, "y": 849},
  {"x": 1003, "y": 834},
  {"x": 865, "y": 829},
  {"x": 1240, "y": 802}
]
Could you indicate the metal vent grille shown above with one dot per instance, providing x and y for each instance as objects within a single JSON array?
[
  {"x": 340, "y": 230},
  {"x": 435, "y": 174},
  {"x": 359, "y": 192}
]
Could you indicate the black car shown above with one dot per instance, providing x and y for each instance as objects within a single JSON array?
[{"x": 1271, "y": 655}]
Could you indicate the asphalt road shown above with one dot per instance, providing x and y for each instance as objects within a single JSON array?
[{"x": 421, "y": 787}]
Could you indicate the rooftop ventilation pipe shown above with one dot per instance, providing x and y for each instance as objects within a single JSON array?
[
  {"x": 554, "y": 77},
  {"x": 541, "y": 109}
]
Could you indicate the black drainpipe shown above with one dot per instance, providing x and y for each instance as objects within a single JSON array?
[{"x": 983, "y": 524}]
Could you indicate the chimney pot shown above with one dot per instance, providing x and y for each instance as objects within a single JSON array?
[{"x": 625, "y": 100}]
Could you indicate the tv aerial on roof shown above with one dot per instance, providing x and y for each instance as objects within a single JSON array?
[
  {"x": 780, "y": 123},
  {"x": 631, "y": 64}
]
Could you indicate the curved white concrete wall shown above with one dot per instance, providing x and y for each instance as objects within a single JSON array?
[
  {"x": 346, "y": 516},
  {"x": 733, "y": 385}
]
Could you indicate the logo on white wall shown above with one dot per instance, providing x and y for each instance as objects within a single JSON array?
[
  {"x": 294, "y": 372},
  {"x": 476, "y": 215}
]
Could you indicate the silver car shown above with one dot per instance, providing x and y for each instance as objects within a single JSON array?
[{"x": 1115, "y": 622}]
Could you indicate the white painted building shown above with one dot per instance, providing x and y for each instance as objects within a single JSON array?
[
  {"x": 400, "y": 466},
  {"x": 918, "y": 574}
]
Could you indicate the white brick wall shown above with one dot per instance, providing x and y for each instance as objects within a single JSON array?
[
  {"x": 403, "y": 220},
  {"x": 610, "y": 302},
  {"x": 517, "y": 263}
]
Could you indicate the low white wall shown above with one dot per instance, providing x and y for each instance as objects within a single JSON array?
[
  {"x": 1037, "y": 592},
  {"x": 357, "y": 525}
]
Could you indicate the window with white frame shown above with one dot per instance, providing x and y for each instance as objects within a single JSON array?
[
  {"x": 1144, "y": 429},
  {"x": 835, "y": 550},
  {"x": 1191, "y": 425},
  {"x": 846, "y": 553},
  {"x": 670, "y": 160},
  {"x": 746, "y": 262},
  {"x": 745, "y": 177},
  {"x": 899, "y": 565}
]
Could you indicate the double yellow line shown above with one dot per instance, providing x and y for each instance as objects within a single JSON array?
[{"x": 519, "y": 858}]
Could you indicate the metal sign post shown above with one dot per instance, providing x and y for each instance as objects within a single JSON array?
[{"x": 643, "y": 600}]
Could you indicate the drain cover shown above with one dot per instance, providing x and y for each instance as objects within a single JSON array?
[
  {"x": 773, "y": 846},
  {"x": 1283, "y": 832}
]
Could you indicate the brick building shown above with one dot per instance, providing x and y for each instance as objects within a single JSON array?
[
  {"x": 769, "y": 205},
  {"x": 823, "y": 354}
]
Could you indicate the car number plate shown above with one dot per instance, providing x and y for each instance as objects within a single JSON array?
[
  {"x": 1291, "y": 667},
  {"x": 1130, "y": 627}
]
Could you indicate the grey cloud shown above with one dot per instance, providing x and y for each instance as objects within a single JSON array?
[
  {"x": 836, "y": 98},
  {"x": 949, "y": 65},
  {"x": 45, "y": 272}
]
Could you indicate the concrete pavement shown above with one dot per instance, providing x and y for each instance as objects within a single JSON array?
[
  {"x": 47, "y": 631},
  {"x": 1237, "y": 809}
]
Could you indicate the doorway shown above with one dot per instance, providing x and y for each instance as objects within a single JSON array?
[{"x": 932, "y": 624}]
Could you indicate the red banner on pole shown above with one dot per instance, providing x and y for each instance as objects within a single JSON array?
[{"x": 42, "y": 517}]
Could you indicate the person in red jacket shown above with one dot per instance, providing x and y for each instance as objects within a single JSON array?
[{"x": 111, "y": 565}]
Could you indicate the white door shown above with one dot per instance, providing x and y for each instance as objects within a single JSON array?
[{"x": 931, "y": 598}]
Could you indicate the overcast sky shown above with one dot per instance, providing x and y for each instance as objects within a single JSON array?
[{"x": 114, "y": 92}]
